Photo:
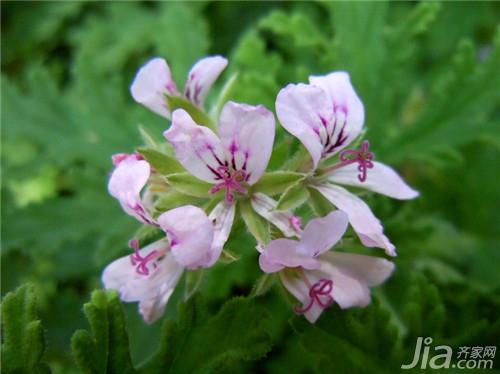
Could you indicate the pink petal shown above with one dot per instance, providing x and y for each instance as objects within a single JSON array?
[
  {"x": 284, "y": 220},
  {"x": 366, "y": 225},
  {"x": 247, "y": 134},
  {"x": 297, "y": 286},
  {"x": 121, "y": 275},
  {"x": 126, "y": 183},
  {"x": 201, "y": 78},
  {"x": 381, "y": 178},
  {"x": 352, "y": 276},
  {"x": 222, "y": 217},
  {"x": 152, "y": 82},
  {"x": 349, "y": 114},
  {"x": 197, "y": 148},
  {"x": 321, "y": 234},
  {"x": 284, "y": 253},
  {"x": 191, "y": 234},
  {"x": 304, "y": 111}
]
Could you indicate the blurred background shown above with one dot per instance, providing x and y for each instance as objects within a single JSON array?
[{"x": 428, "y": 74}]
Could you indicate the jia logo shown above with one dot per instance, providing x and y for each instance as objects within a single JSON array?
[{"x": 476, "y": 357}]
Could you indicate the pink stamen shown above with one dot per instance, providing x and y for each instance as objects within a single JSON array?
[
  {"x": 231, "y": 181},
  {"x": 141, "y": 263},
  {"x": 350, "y": 156},
  {"x": 363, "y": 157},
  {"x": 321, "y": 288}
]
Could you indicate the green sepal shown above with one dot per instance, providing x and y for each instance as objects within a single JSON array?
[
  {"x": 189, "y": 185},
  {"x": 162, "y": 162},
  {"x": 293, "y": 197},
  {"x": 263, "y": 285},
  {"x": 318, "y": 203},
  {"x": 194, "y": 279},
  {"x": 276, "y": 182},
  {"x": 147, "y": 138},
  {"x": 173, "y": 199},
  {"x": 225, "y": 95},
  {"x": 258, "y": 226},
  {"x": 228, "y": 257},
  {"x": 198, "y": 116}
]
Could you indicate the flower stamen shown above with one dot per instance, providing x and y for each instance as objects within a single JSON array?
[
  {"x": 141, "y": 263},
  {"x": 363, "y": 157},
  {"x": 319, "y": 292},
  {"x": 231, "y": 181}
]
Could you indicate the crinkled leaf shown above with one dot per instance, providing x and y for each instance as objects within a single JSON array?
[{"x": 23, "y": 343}]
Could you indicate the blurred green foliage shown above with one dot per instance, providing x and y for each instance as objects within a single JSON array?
[{"x": 429, "y": 79}]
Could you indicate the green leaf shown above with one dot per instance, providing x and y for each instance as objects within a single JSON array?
[
  {"x": 189, "y": 185},
  {"x": 424, "y": 310},
  {"x": 276, "y": 182},
  {"x": 197, "y": 343},
  {"x": 193, "y": 282},
  {"x": 258, "y": 226},
  {"x": 105, "y": 349},
  {"x": 22, "y": 333},
  {"x": 293, "y": 197},
  {"x": 162, "y": 162},
  {"x": 349, "y": 341}
]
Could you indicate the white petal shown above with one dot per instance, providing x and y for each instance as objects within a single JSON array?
[
  {"x": 201, "y": 78},
  {"x": 283, "y": 220},
  {"x": 126, "y": 183},
  {"x": 352, "y": 276},
  {"x": 321, "y": 234},
  {"x": 349, "y": 114},
  {"x": 366, "y": 225},
  {"x": 152, "y": 82},
  {"x": 196, "y": 147},
  {"x": 381, "y": 178},
  {"x": 191, "y": 234},
  {"x": 247, "y": 134},
  {"x": 304, "y": 111},
  {"x": 122, "y": 276},
  {"x": 222, "y": 216}
]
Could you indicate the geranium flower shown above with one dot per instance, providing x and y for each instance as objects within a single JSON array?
[
  {"x": 234, "y": 159},
  {"x": 149, "y": 276},
  {"x": 318, "y": 277},
  {"x": 326, "y": 116},
  {"x": 153, "y": 83}
]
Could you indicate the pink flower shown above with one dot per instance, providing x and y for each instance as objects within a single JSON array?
[
  {"x": 126, "y": 183},
  {"x": 236, "y": 157},
  {"x": 153, "y": 83},
  {"x": 326, "y": 116},
  {"x": 150, "y": 275},
  {"x": 318, "y": 277}
]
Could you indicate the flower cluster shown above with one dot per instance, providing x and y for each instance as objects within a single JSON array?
[{"x": 188, "y": 190}]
